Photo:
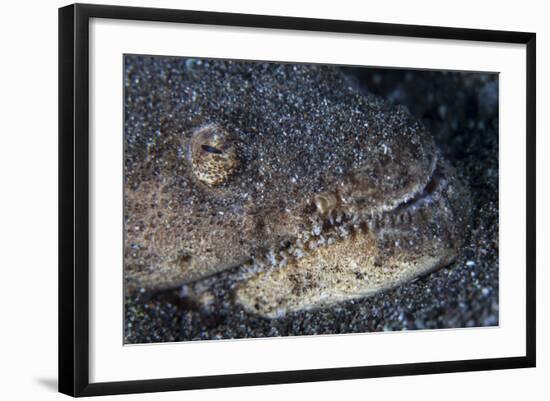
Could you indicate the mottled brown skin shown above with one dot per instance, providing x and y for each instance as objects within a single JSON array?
[{"x": 311, "y": 192}]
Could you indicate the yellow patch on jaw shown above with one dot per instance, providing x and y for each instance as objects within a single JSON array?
[{"x": 344, "y": 270}]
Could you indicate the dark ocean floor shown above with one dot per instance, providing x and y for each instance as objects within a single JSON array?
[{"x": 461, "y": 110}]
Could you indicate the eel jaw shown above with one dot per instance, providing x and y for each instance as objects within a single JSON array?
[{"x": 354, "y": 254}]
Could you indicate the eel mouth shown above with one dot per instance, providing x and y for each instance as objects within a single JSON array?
[
  {"x": 351, "y": 256},
  {"x": 336, "y": 224}
]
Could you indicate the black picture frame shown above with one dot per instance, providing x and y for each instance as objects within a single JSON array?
[{"x": 74, "y": 198}]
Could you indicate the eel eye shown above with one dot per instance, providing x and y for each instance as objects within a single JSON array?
[
  {"x": 212, "y": 154},
  {"x": 211, "y": 149}
]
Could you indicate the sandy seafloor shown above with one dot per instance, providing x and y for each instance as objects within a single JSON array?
[{"x": 461, "y": 111}]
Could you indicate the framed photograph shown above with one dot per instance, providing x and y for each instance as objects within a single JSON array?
[{"x": 249, "y": 199}]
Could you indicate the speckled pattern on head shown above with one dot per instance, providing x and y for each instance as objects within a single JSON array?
[{"x": 308, "y": 192}]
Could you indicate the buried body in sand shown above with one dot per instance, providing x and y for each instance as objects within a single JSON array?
[{"x": 285, "y": 182}]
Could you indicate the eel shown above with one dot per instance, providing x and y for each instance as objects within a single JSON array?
[{"x": 285, "y": 179}]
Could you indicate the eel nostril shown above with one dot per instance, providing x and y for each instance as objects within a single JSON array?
[{"x": 325, "y": 202}]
